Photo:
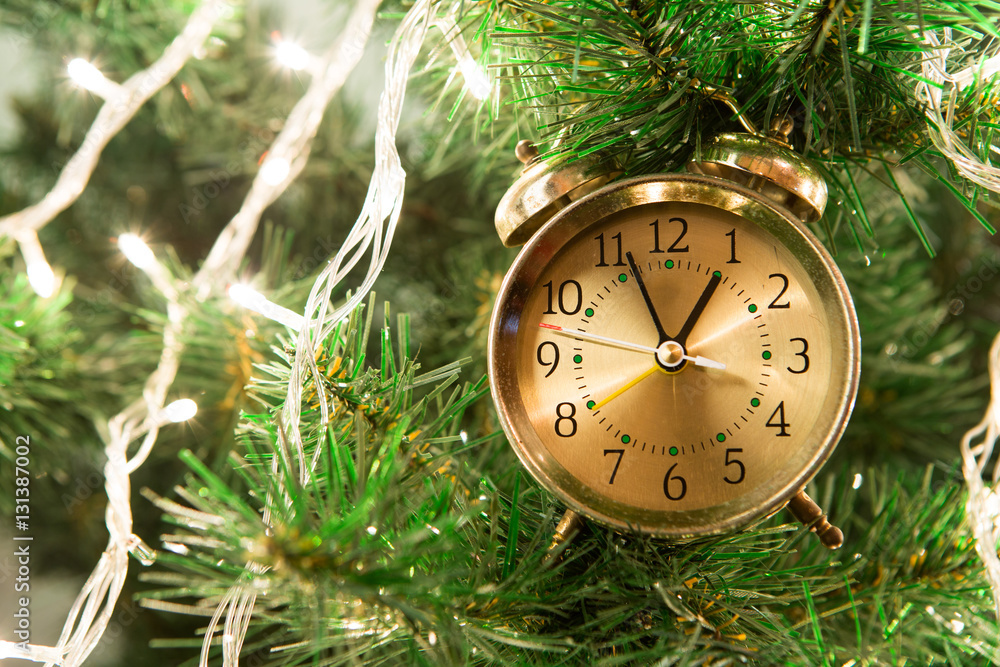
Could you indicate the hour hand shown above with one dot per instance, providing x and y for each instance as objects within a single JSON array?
[
  {"x": 698, "y": 308},
  {"x": 645, "y": 297}
]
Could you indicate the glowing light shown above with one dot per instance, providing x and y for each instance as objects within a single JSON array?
[
  {"x": 291, "y": 55},
  {"x": 41, "y": 278},
  {"x": 93, "y": 609},
  {"x": 475, "y": 78},
  {"x": 85, "y": 75},
  {"x": 136, "y": 251},
  {"x": 40, "y": 275},
  {"x": 857, "y": 481},
  {"x": 250, "y": 298},
  {"x": 181, "y": 410},
  {"x": 19, "y": 323},
  {"x": 275, "y": 170},
  {"x": 476, "y": 81},
  {"x": 372, "y": 530},
  {"x": 88, "y": 77}
]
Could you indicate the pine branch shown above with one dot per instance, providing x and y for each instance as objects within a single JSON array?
[
  {"x": 418, "y": 542},
  {"x": 640, "y": 82}
]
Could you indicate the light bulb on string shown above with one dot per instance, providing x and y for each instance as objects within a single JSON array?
[
  {"x": 274, "y": 170},
  {"x": 181, "y": 410},
  {"x": 250, "y": 298},
  {"x": 289, "y": 54},
  {"x": 88, "y": 77},
  {"x": 476, "y": 81},
  {"x": 41, "y": 277},
  {"x": 136, "y": 251}
]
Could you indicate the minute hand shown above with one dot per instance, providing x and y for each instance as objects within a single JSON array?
[{"x": 697, "y": 310}]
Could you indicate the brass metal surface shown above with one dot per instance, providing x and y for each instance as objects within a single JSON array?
[
  {"x": 809, "y": 513},
  {"x": 543, "y": 189},
  {"x": 768, "y": 167},
  {"x": 669, "y": 452}
]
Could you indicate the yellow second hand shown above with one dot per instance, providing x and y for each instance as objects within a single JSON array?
[{"x": 626, "y": 387}]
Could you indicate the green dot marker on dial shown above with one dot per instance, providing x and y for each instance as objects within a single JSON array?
[
  {"x": 670, "y": 264},
  {"x": 673, "y": 451},
  {"x": 622, "y": 277},
  {"x": 752, "y": 308},
  {"x": 577, "y": 359},
  {"x": 717, "y": 274},
  {"x": 721, "y": 437},
  {"x": 589, "y": 312},
  {"x": 590, "y": 405},
  {"x": 626, "y": 439},
  {"x": 755, "y": 402},
  {"x": 766, "y": 354}
]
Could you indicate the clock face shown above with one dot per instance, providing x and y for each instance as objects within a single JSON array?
[{"x": 674, "y": 355}]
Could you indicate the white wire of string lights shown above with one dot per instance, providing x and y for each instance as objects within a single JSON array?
[
  {"x": 983, "y": 506},
  {"x": 289, "y": 152},
  {"x": 121, "y": 102},
  {"x": 939, "y": 89},
  {"x": 90, "y": 613},
  {"x": 373, "y": 229},
  {"x": 89, "y": 616}
]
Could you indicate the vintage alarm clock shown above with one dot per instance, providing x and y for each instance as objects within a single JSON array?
[{"x": 675, "y": 354}]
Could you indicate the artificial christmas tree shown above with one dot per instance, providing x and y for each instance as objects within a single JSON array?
[{"x": 344, "y": 494}]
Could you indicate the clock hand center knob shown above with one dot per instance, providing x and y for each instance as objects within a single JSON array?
[{"x": 670, "y": 354}]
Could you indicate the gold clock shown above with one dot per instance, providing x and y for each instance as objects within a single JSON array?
[{"x": 675, "y": 354}]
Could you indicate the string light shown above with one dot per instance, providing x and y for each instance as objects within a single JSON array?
[
  {"x": 374, "y": 228},
  {"x": 250, "y": 298},
  {"x": 292, "y": 145},
  {"x": 111, "y": 118},
  {"x": 136, "y": 251},
  {"x": 291, "y": 55},
  {"x": 93, "y": 608},
  {"x": 983, "y": 508},
  {"x": 476, "y": 81},
  {"x": 936, "y": 82},
  {"x": 41, "y": 277},
  {"x": 275, "y": 170},
  {"x": 88, "y": 77},
  {"x": 181, "y": 410}
]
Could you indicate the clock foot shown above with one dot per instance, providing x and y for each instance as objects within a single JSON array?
[
  {"x": 568, "y": 528},
  {"x": 809, "y": 513}
]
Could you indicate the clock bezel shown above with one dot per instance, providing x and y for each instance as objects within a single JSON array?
[{"x": 574, "y": 220}]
